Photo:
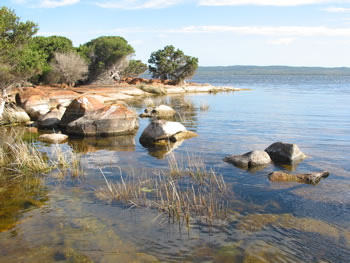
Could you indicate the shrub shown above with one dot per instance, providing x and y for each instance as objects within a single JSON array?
[{"x": 68, "y": 68}]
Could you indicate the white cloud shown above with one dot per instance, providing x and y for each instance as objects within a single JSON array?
[
  {"x": 267, "y": 2},
  {"x": 279, "y": 31},
  {"x": 57, "y": 3},
  {"x": 283, "y": 34},
  {"x": 337, "y": 10},
  {"x": 138, "y": 4},
  {"x": 282, "y": 41}
]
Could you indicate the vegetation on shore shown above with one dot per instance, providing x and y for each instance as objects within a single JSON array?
[{"x": 53, "y": 59}]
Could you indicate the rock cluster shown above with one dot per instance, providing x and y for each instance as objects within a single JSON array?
[{"x": 282, "y": 154}]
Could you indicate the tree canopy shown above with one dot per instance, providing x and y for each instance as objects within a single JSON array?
[
  {"x": 134, "y": 69},
  {"x": 17, "y": 60},
  {"x": 105, "y": 52},
  {"x": 172, "y": 64}
]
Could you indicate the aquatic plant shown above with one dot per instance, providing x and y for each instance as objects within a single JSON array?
[
  {"x": 23, "y": 158},
  {"x": 67, "y": 162},
  {"x": 180, "y": 192},
  {"x": 204, "y": 107}
]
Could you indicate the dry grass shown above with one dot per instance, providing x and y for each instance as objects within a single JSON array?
[
  {"x": 181, "y": 193},
  {"x": 204, "y": 107},
  {"x": 67, "y": 162},
  {"x": 23, "y": 158}
]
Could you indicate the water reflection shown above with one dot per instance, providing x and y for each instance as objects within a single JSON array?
[
  {"x": 17, "y": 196},
  {"x": 124, "y": 143},
  {"x": 160, "y": 152}
]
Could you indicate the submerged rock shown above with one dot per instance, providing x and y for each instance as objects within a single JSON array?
[
  {"x": 114, "y": 119},
  {"x": 307, "y": 178},
  {"x": 285, "y": 153},
  {"x": 162, "y": 111},
  {"x": 53, "y": 138},
  {"x": 52, "y": 118},
  {"x": 161, "y": 133},
  {"x": 251, "y": 159}
]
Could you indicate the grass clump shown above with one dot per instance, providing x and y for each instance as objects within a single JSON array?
[
  {"x": 179, "y": 193},
  {"x": 204, "y": 107},
  {"x": 23, "y": 158}
]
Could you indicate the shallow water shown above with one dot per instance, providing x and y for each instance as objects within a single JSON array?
[{"x": 62, "y": 220}]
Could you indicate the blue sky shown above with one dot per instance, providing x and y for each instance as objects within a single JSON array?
[{"x": 218, "y": 32}]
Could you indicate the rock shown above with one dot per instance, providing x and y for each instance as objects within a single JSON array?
[
  {"x": 13, "y": 114},
  {"x": 114, "y": 119},
  {"x": 162, "y": 111},
  {"x": 249, "y": 160},
  {"x": 161, "y": 132},
  {"x": 307, "y": 178},
  {"x": 53, "y": 138},
  {"x": 36, "y": 106},
  {"x": 154, "y": 89},
  {"x": 284, "y": 153},
  {"x": 28, "y": 92},
  {"x": 78, "y": 107},
  {"x": 52, "y": 118}
]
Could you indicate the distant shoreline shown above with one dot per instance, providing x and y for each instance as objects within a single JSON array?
[{"x": 273, "y": 70}]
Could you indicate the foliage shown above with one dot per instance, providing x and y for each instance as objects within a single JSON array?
[
  {"x": 18, "y": 61},
  {"x": 172, "y": 64},
  {"x": 134, "y": 69},
  {"x": 68, "y": 68},
  {"x": 47, "y": 47},
  {"x": 104, "y": 53}
]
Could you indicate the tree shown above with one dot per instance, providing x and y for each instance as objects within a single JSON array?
[
  {"x": 107, "y": 56},
  {"x": 172, "y": 64},
  {"x": 47, "y": 47},
  {"x": 68, "y": 68},
  {"x": 18, "y": 61},
  {"x": 134, "y": 69}
]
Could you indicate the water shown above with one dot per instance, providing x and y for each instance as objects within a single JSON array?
[{"x": 55, "y": 220}]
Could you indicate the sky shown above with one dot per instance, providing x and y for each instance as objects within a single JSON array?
[{"x": 218, "y": 32}]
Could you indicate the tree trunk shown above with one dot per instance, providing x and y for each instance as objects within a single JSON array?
[{"x": 3, "y": 100}]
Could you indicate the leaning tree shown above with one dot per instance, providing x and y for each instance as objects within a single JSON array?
[
  {"x": 107, "y": 57},
  {"x": 171, "y": 64}
]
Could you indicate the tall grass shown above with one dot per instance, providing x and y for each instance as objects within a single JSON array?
[
  {"x": 23, "y": 158},
  {"x": 181, "y": 193},
  {"x": 18, "y": 157}
]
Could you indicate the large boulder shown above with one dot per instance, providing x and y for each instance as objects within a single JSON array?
[
  {"x": 162, "y": 111},
  {"x": 54, "y": 138},
  {"x": 285, "y": 153},
  {"x": 36, "y": 106},
  {"x": 79, "y": 107},
  {"x": 114, "y": 119},
  {"x": 249, "y": 160},
  {"x": 161, "y": 132},
  {"x": 307, "y": 178},
  {"x": 34, "y": 101},
  {"x": 52, "y": 118}
]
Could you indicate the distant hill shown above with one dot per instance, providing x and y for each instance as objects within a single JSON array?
[{"x": 272, "y": 70}]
